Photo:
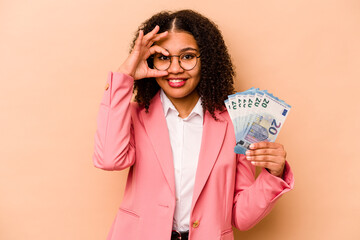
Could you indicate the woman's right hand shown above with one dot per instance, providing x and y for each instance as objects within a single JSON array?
[{"x": 136, "y": 65}]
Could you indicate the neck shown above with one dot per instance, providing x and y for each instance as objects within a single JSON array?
[{"x": 185, "y": 105}]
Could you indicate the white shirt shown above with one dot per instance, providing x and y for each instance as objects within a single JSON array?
[{"x": 185, "y": 138}]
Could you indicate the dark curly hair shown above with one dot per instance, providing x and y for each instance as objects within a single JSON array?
[{"x": 217, "y": 70}]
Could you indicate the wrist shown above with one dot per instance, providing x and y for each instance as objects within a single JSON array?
[{"x": 123, "y": 70}]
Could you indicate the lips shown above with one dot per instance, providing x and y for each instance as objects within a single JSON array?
[{"x": 176, "y": 82}]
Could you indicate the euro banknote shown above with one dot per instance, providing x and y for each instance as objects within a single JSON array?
[{"x": 257, "y": 116}]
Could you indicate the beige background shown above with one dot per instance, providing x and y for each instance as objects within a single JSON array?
[{"x": 54, "y": 60}]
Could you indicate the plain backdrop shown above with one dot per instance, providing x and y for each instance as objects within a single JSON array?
[{"x": 54, "y": 61}]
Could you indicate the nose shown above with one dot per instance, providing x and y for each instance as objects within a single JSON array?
[{"x": 175, "y": 66}]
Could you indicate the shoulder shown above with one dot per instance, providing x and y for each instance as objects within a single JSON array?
[
  {"x": 135, "y": 106},
  {"x": 155, "y": 104},
  {"x": 223, "y": 115}
]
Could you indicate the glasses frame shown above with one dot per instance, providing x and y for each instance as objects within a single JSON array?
[{"x": 179, "y": 61}]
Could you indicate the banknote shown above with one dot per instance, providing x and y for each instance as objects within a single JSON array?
[{"x": 257, "y": 115}]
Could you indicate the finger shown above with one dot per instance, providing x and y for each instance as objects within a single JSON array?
[
  {"x": 157, "y": 49},
  {"x": 151, "y": 34},
  {"x": 265, "y": 145},
  {"x": 159, "y": 36},
  {"x": 139, "y": 40},
  {"x": 274, "y": 168},
  {"x": 266, "y": 151},
  {"x": 156, "y": 38},
  {"x": 156, "y": 73},
  {"x": 268, "y": 165},
  {"x": 266, "y": 158}
]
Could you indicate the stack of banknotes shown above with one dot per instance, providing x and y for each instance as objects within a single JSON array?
[{"x": 257, "y": 116}]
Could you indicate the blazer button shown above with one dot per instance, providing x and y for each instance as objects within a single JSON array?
[
  {"x": 196, "y": 224},
  {"x": 107, "y": 86}
]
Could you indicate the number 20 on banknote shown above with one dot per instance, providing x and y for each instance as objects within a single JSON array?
[{"x": 257, "y": 116}]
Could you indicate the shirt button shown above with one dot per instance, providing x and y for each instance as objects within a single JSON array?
[
  {"x": 196, "y": 224},
  {"x": 107, "y": 86}
]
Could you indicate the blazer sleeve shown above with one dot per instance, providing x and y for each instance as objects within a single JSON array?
[
  {"x": 254, "y": 199},
  {"x": 114, "y": 139}
]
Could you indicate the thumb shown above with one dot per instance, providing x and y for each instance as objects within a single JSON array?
[{"x": 156, "y": 73}]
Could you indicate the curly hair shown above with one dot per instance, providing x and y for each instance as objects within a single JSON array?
[{"x": 217, "y": 71}]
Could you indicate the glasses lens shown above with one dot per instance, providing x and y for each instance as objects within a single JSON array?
[
  {"x": 161, "y": 62},
  {"x": 188, "y": 61}
]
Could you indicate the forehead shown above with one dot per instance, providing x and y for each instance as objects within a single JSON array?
[{"x": 176, "y": 41}]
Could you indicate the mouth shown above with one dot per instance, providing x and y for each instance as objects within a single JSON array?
[{"x": 176, "y": 82}]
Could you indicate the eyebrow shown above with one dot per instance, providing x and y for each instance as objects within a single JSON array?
[
  {"x": 188, "y": 49},
  {"x": 185, "y": 49}
]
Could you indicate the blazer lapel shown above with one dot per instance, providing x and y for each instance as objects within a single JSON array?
[
  {"x": 211, "y": 143},
  {"x": 156, "y": 128}
]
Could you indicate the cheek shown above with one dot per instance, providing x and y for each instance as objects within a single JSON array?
[
  {"x": 159, "y": 81},
  {"x": 197, "y": 75},
  {"x": 197, "y": 79}
]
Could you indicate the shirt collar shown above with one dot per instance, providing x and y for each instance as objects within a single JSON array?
[{"x": 167, "y": 105}]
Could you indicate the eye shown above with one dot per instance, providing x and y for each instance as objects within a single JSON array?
[
  {"x": 162, "y": 58},
  {"x": 188, "y": 56}
]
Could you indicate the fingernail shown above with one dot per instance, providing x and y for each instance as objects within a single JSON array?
[
  {"x": 249, "y": 157},
  {"x": 247, "y": 152},
  {"x": 252, "y": 146},
  {"x": 253, "y": 163}
]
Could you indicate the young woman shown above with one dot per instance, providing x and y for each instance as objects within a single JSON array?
[{"x": 185, "y": 181}]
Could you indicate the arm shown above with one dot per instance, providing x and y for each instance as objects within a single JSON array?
[
  {"x": 254, "y": 199},
  {"x": 114, "y": 140}
]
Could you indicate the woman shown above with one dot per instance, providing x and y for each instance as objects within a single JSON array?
[{"x": 185, "y": 181}]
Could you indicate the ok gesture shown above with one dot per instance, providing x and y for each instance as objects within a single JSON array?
[{"x": 136, "y": 65}]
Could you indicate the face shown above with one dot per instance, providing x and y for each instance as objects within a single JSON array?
[{"x": 180, "y": 84}]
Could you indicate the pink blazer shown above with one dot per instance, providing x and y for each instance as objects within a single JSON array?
[{"x": 225, "y": 194}]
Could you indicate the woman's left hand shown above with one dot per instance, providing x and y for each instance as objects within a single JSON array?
[{"x": 269, "y": 155}]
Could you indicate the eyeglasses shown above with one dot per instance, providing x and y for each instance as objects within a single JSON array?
[{"x": 187, "y": 61}]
